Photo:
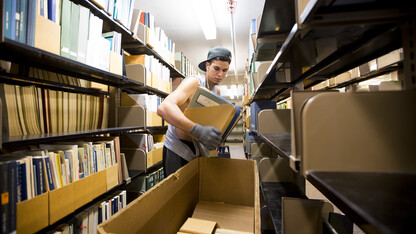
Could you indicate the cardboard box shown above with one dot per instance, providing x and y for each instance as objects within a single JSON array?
[
  {"x": 136, "y": 72},
  {"x": 157, "y": 155},
  {"x": 112, "y": 176},
  {"x": 26, "y": 221},
  {"x": 116, "y": 63},
  {"x": 166, "y": 206},
  {"x": 47, "y": 35},
  {"x": 61, "y": 202}
]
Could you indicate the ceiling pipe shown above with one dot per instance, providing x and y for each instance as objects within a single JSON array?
[{"x": 231, "y": 8}]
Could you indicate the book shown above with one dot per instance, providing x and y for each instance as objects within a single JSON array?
[
  {"x": 209, "y": 109},
  {"x": 23, "y": 21},
  {"x": 31, "y": 20},
  {"x": 9, "y": 21},
  {"x": 4, "y": 196},
  {"x": 74, "y": 28},
  {"x": 65, "y": 28}
]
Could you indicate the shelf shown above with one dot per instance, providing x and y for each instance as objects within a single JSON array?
[
  {"x": 21, "y": 53},
  {"x": 273, "y": 193},
  {"x": 136, "y": 86},
  {"x": 377, "y": 202},
  {"x": 61, "y": 136},
  {"x": 280, "y": 142},
  {"x": 320, "y": 13},
  {"x": 359, "y": 39},
  {"x": 137, "y": 47},
  {"x": 23, "y": 80}
]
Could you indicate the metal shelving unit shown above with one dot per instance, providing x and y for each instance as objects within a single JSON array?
[
  {"x": 31, "y": 57},
  {"x": 363, "y": 30}
]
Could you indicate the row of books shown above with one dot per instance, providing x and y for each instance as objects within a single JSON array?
[
  {"x": 29, "y": 173},
  {"x": 19, "y": 20},
  {"x": 183, "y": 64},
  {"x": 87, "y": 221},
  {"x": 154, "y": 68},
  {"x": 146, "y": 182},
  {"x": 143, "y": 26},
  {"x": 82, "y": 38},
  {"x": 120, "y": 10},
  {"x": 35, "y": 110}
]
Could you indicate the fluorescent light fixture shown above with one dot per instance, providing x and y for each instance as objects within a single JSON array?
[{"x": 203, "y": 11}]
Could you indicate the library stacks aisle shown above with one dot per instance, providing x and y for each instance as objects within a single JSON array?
[{"x": 324, "y": 142}]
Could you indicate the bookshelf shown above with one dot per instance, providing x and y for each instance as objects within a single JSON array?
[
  {"x": 354, "y": 33},
  {"x": 101, "y": 183}
]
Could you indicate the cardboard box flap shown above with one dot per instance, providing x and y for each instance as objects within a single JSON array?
[{"x": 227, "y": 181}]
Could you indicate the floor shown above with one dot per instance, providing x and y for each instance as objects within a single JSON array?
[{"x": 236, "y": 150}]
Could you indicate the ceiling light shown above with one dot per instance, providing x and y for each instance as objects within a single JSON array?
[{"x": 203, "y": 11}]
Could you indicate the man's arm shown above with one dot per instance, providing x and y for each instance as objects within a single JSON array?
[{"x": 169, "y": 109}]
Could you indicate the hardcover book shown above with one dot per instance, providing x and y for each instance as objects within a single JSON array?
[{"x": 209, "y": 109}]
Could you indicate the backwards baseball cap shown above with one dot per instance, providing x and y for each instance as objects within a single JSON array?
[{"x": 214, "y": 53}]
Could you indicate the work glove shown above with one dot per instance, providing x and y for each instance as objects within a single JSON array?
[{"x": 209, "y": 136}]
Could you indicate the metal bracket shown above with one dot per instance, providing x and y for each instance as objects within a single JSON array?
[{"x": 409, "y": 54}]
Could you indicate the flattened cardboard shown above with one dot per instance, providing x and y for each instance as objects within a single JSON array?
[
  {"x": 198, "y": 226},
  {"x": 47, "y": 35},
  {"x": 234, "y": 217},
  {"x": 61, "y": 202},
  {"x": 27, "y": 222}
]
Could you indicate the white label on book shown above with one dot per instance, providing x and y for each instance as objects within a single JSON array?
[{"x": 205, "y": 101}]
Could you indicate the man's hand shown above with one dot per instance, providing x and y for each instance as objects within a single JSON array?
[{"x": 208, "y": 136}]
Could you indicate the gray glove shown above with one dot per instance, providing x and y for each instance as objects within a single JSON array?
[{"x": 209, "y": 136}]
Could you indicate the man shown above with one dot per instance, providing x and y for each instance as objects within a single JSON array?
[{"x": 185, "y": 139}]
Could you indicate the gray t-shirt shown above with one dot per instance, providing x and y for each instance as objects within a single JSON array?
[{"x": 173, "y": 142}]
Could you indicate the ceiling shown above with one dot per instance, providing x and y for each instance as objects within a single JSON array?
[{"x": 180, "y": 24}]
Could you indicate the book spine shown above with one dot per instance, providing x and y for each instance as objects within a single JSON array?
[
  {"x": 4, "y": 197},
  {"x": 12, "y": 168},
  {"x": 23, "y": 181},
  {"x": 49, "y": 174},
  {"x": 23, "y": 21}
]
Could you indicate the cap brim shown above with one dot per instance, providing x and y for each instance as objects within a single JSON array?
[{"x": 202, "y": 66}]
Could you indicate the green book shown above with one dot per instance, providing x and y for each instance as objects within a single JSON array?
[
  {"x": 73, "y": 46},
  {"x": 65, "y": 28}
]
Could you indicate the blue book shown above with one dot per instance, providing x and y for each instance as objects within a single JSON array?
[
  {"x": 23, "y": 21},
  {"x": 48, "y": 169},
  {"x": 52, "y": 10},
  {"x": 17, "y": 20},
  {"x": 31, "y": 21},
  {"x": 21, "y": 181},
  {"x": 38, "y": 175},
  {"x": 9, "y": 20},
  {"x": 12, "y": 171},
  {"x": 258, "y": 106}
]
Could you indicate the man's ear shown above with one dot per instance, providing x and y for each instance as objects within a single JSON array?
[{"x": 207, "y": 64}]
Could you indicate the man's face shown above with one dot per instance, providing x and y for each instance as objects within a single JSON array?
[{"x": 217, "y": 70}]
